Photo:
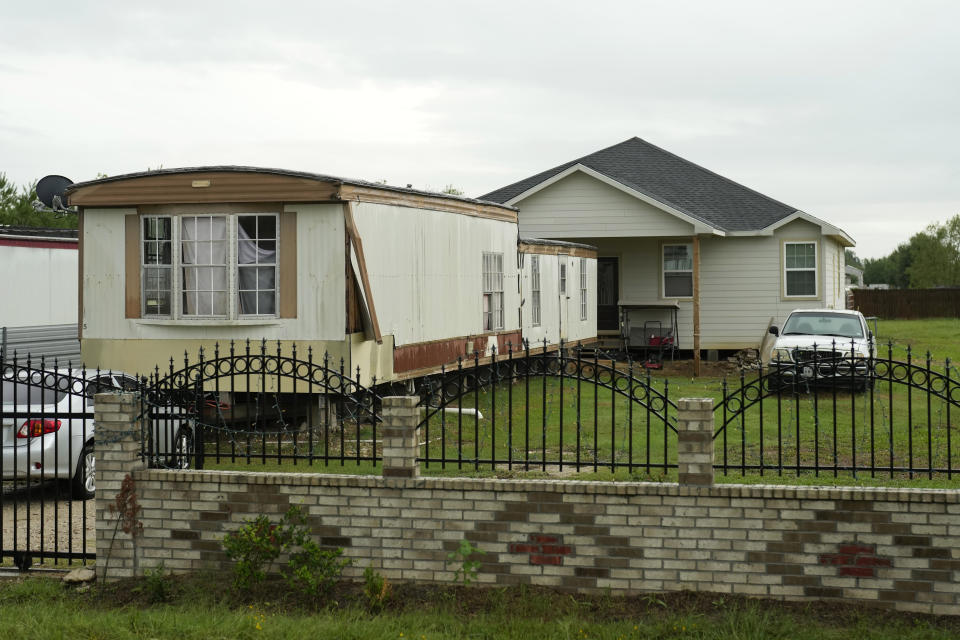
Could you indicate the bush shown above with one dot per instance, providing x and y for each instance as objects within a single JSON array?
[{"x": 260, "y": 542}]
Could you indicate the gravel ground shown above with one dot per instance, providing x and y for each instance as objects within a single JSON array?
[{"x": 44, "y": 517}]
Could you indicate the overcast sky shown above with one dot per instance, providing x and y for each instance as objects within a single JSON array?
[{"x": 849, "y": 111}]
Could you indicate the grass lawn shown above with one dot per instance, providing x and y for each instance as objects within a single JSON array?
[
  {"x": 207, "y": 607},
  {"x": 541, "y": 426}
]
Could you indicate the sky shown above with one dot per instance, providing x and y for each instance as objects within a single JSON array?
[{"x": 847, "y": 110}]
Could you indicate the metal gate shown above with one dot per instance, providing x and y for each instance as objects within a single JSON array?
[{"x": 47, "y": 462}]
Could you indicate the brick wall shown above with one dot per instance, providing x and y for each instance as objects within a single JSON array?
[
  {"x": 892, "y": 546},
  {"x": 895, "y": 547}
]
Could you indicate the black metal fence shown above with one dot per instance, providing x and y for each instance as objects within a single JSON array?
[
  {"x": 47, "y": 460},
  {"x": 566, "y": 410},
  {"x": 258, "y": 405},
  {"x": 818, "y": 412},
  {"x": 829, "y": 411}
]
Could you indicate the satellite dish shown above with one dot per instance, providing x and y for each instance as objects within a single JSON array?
[{"x": 50, "y": 191}]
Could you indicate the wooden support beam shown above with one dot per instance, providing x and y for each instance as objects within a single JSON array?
[
  {"x": 696, "y": 306},
  {"x": 362, "y": 263}
]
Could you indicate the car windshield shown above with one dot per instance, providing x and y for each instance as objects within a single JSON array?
[
  {"x": 840, "y": 325},
  {"x": 18, "y": 393}
]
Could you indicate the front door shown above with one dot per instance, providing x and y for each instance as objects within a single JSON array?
[{"x": 608, "y": 292}]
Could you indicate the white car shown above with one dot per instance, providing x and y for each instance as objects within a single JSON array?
[
  {"x": 48, "y": 428},
  {"x": 826, "y": 345}
]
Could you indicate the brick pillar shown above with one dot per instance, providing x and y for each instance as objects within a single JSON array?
[
  {"x": 695, "y": 441},
  {"x": 399, "y": 433},
  {"x": 117, "y": 450}
]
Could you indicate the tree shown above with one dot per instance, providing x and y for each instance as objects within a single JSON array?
[
  {"x": 851, "y": 258},
  {"x": 936, "y": 256},
  {"x": 930, "y": 258},
  {"x": 452, "y": 190},
  {"x": 16, "y": 208},
  {"x": 891, "y": 269}
]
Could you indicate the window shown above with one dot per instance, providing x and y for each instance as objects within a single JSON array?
[
  {"x": 492, "y": 291},
  {"x": 677, "y": 270},
  {"x": 800, "y": 269},
  {"x": 563, "y": 276},
  {"x": 583, "y": 288},
  {"x": 535, "y": 290},
  {"x": 209, "y": 266}
]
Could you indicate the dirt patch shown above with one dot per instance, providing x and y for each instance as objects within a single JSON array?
[{"x": 43, "y": 517}]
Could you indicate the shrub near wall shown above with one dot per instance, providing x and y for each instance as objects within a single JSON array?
[{"x": 894, "y": 547}]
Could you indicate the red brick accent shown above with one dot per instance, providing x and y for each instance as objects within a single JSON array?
[
  {"x": 855, "y": 560},
  {"x": 543, "y": 549}
]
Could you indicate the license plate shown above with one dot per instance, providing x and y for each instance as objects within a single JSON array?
[{"x": 808, "y": 372}]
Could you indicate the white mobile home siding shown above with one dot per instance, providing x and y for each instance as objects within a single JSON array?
[
  {"x": 39, "y": 285},
  {"x": 426, "y": 270},
  {"x": 320, "y": 291},
  {"x": 558, "y": 318}
]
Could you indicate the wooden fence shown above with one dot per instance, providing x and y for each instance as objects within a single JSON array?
[{"x": 908, "y": 303}]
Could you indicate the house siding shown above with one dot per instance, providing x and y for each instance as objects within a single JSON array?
[
  {"x": 740, "y": 282},
  {"x": 580, "y": 205}
]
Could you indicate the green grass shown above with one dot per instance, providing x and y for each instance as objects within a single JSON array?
[
  {"x": 202, "y": 608},
  {"x": 529, "y": 426},
  {"x": 939, "y": 336}
]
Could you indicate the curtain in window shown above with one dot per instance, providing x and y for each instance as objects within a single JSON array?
[
  {"x": 204, "y": 247},
  {"x": 258, "y": 293}
]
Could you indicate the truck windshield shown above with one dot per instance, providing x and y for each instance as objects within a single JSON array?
[{"x": 839, "y": 325}]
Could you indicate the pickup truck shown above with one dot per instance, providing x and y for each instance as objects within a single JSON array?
[{"x": 826, "y": 346}]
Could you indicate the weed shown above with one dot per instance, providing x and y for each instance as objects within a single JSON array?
[
  {"x": 469, "y": 567},
  {"x": 155, "y": 584},
  {"x": 375, "y": 588},
  {"x": 127, "y": 510}
]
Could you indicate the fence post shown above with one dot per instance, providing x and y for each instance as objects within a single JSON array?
[
  {"x": 695, "y": 441},
  {"x": 117, "y": 453},
  {"x": 401, "y": 415}
]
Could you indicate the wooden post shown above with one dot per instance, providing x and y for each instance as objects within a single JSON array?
[{"x": 696, "y": 306}]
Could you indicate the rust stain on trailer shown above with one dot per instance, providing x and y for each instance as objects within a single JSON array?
[{"x": 424, "y": 355}]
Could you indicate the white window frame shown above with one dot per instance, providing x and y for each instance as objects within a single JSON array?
[
  {"x": 583, "y": 288},
  {"x": 492, "y": 302},
  {"x": 535, "y": 290},
  {"x": 664, "y": 271},
  {"x": 815, "y": 269},
  {"x": 176, "y": 267}
]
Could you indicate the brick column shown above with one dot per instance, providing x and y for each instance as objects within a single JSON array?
[
  {"x": 117, "y": 451},
  {"x": 399, "y": 432},
  {"x": 695, "y": 441}
]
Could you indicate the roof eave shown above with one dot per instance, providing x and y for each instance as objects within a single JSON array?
[{"x": 827, "y": 229}]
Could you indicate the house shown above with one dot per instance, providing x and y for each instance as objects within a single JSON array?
[
  {"x": 396, "y": 282},
  {"x": 675, "y": 239},
  {"x": 39, "y": 292}
]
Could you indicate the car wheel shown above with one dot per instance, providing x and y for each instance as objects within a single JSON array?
[
  {"x": 84, "y": 484},
  {"x": 182, "y": 449}
]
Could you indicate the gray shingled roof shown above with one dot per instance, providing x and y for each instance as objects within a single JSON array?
[{"x": 668, "y": 178}]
